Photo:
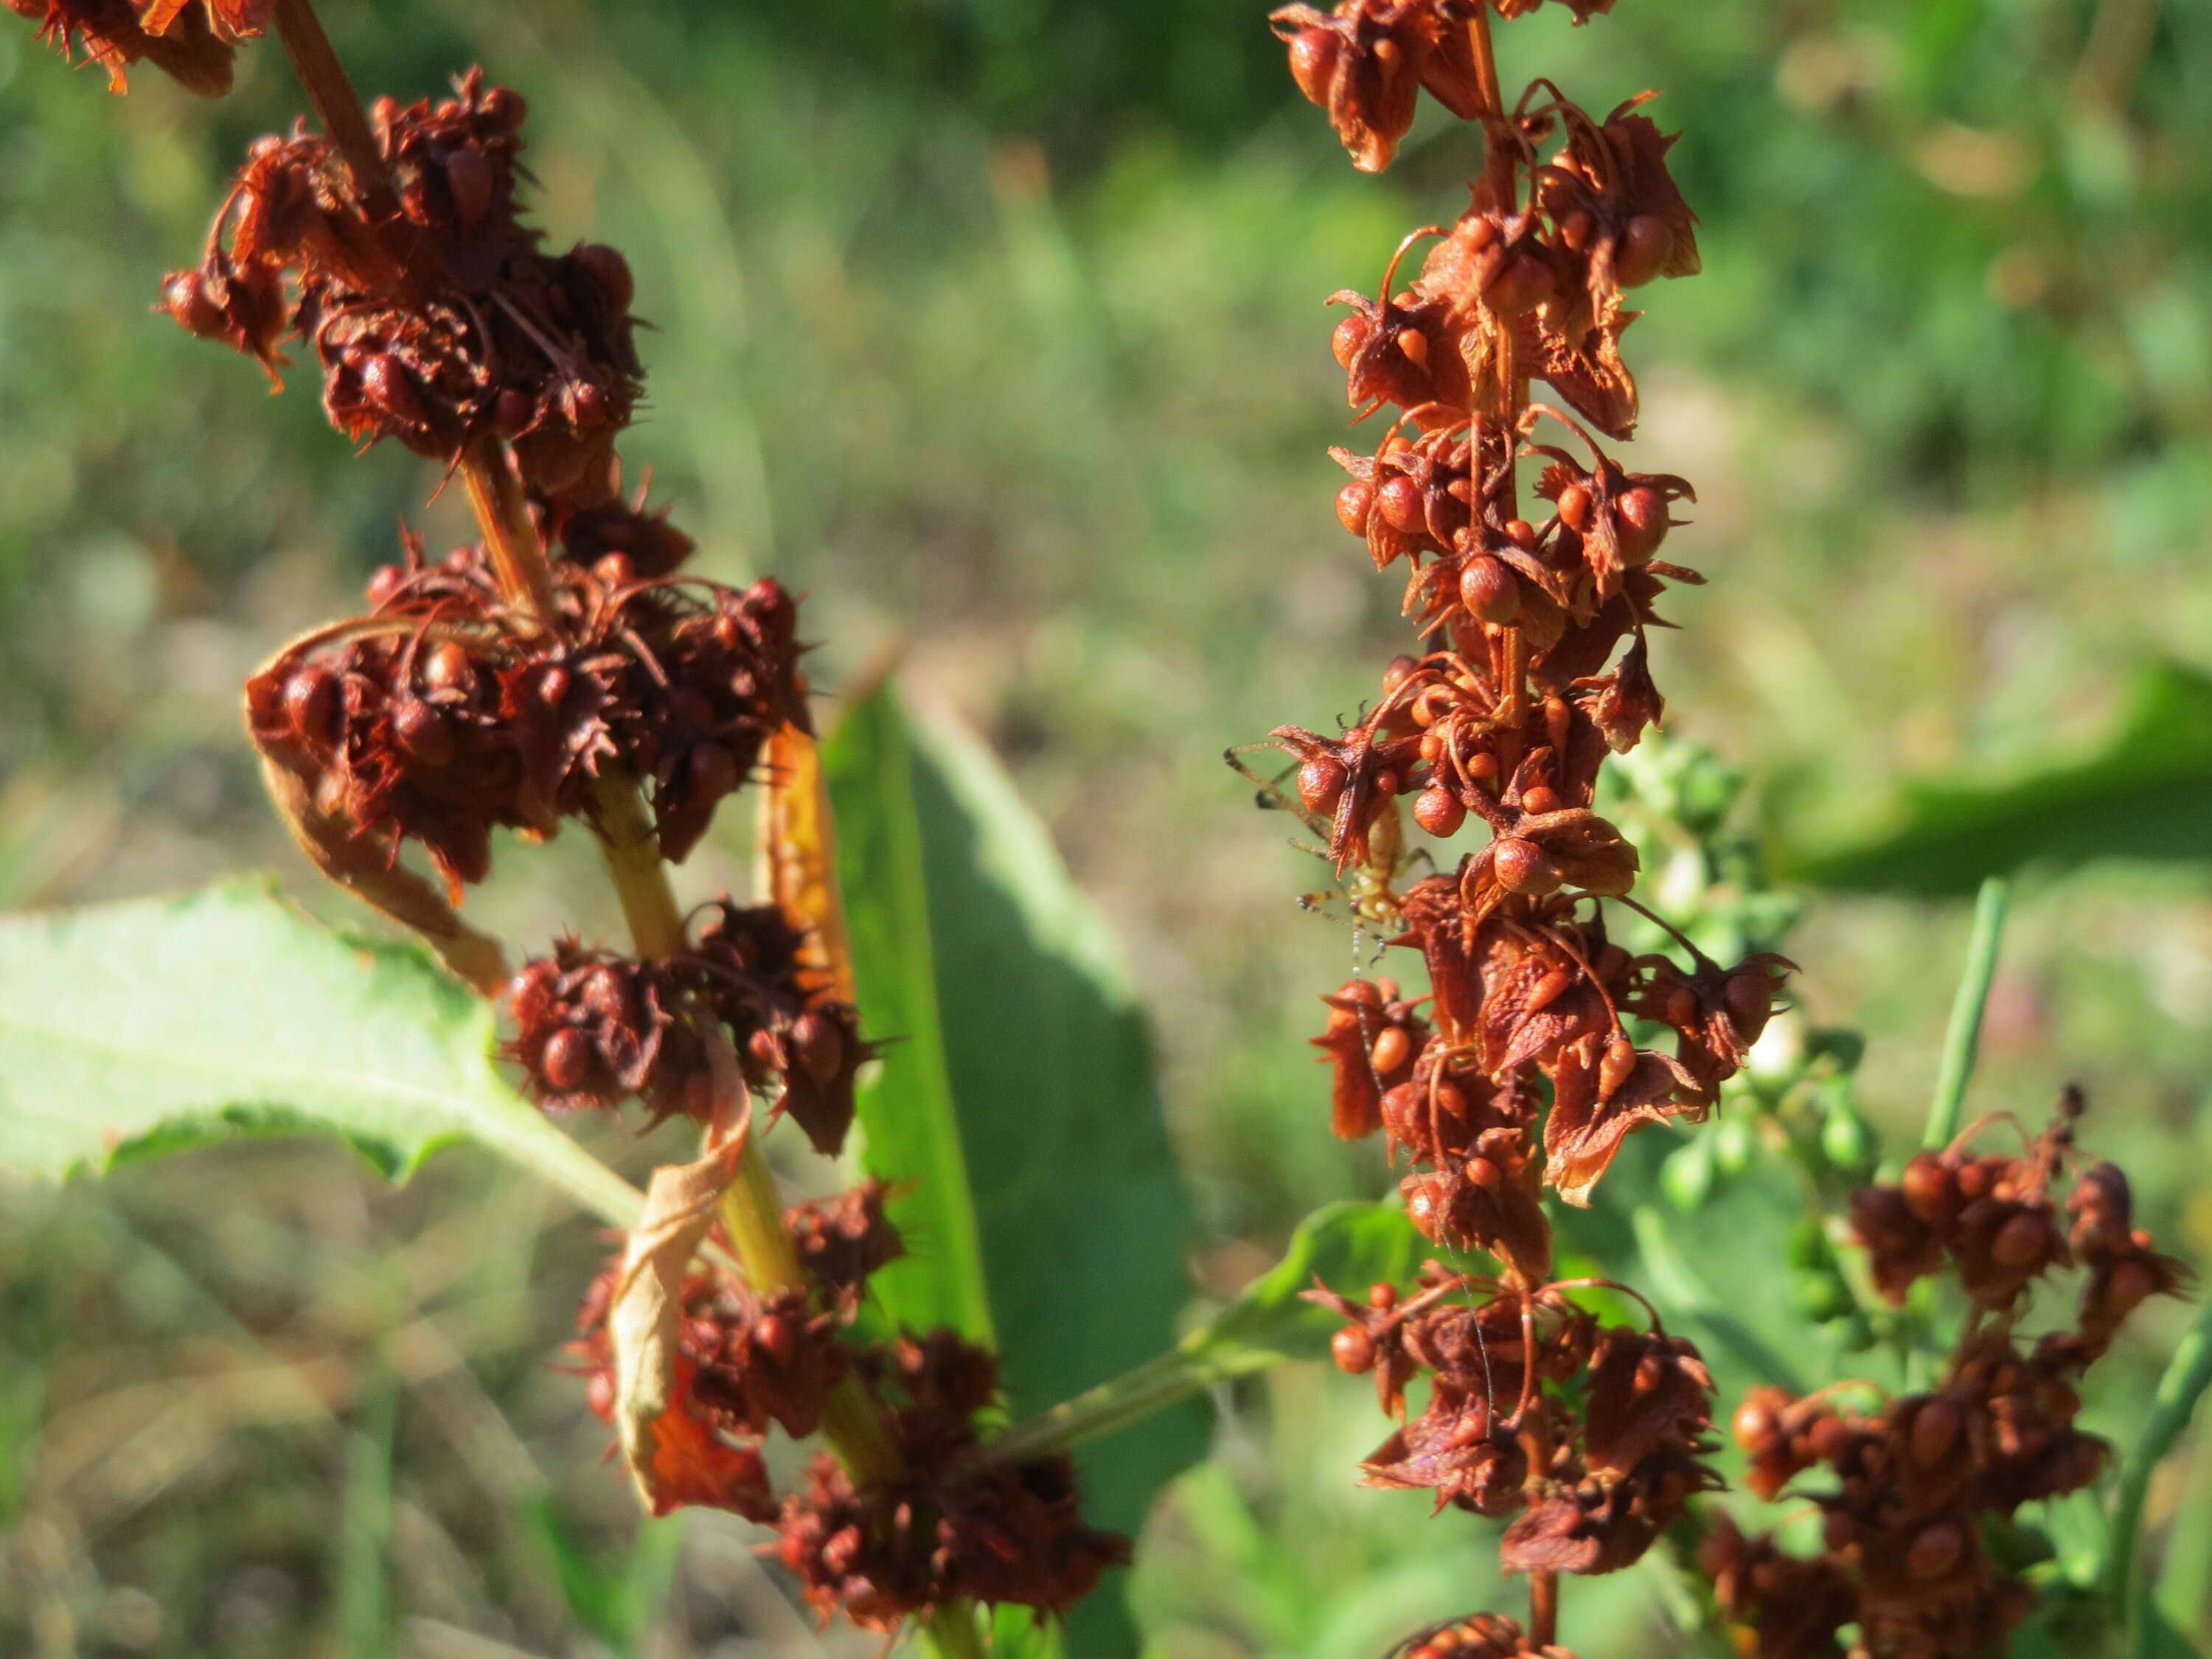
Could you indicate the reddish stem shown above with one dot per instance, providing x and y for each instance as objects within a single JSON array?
[
  {"x": 516, "y": 557},
  {"x": 1543, "y": 1607},
  {"x": 337, "y": 105}
]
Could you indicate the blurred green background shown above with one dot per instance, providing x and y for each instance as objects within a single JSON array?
[{"x": 995, "y": 326}]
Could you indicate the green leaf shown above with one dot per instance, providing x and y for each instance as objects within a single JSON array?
[
  {"x": 910, "y": 1131},
  {"x": 1962, "y": 1036},
  {"x": 148, "y": 1026},
  {"x": 1018, "y": 1095},
  {"x": 2145, "y": 792},
  {"x": 1346, "y": 1246}
]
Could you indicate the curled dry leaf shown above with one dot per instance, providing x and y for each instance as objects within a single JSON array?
[
  {"x": 798, "y": 855},
  {"x": 398, "y": 891},
  {"x": 643, "y": 1315}
]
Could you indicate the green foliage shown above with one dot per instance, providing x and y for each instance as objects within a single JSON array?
[
  {"x": 616, "y": 1599},
  {"x": 1018, "y": 1095},
  {"x": 2144, "y": 791},
  {"x": 2187, "y": 1377},
  {"x": 144, "y": 1027},
  {"x": 364, "y": 1613},
  {"x": 1345, "y": 1246}
]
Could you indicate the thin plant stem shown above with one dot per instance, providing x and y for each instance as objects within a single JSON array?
[
  {"x": 1543, "y": 1607},
  {"x": 496, "y": 496},
  {"x": 1159, "y": 1383},
  {"x": 337, "y": 105},
  {"x": 2127, "y": 1587},
  {"x": 1962, "y": 1038},
  {"x": 632, "y": 851},
  {"x": 1485, "y": 59}
]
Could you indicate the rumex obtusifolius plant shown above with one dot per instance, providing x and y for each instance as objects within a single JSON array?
[
  {"x": 1536, "y": 1050},
  {"x": 565, "y": 668}
]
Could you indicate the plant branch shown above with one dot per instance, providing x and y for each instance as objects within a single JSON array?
[
  {"x": 1485, "y": 59},
  {"x": 852, "y": 1423},
  {"x": 1962, "y": 1038},
  {"x": 1159, "y": 1383},
  {"x": 1543, "y": 1607}
]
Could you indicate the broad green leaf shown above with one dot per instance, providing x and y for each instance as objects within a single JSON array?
[
  {"x": 1017, "y": 1096},
  {"x": 145, "y": 1027},
  {"x": 911, "y": 1130},
  {"x": 2145, "y": 792}
]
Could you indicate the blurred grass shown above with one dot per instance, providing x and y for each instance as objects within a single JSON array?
[{"x": 996, "y": 327}]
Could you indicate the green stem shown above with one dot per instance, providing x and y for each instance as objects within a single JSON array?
[
  {"x": 1963, "y": 1036},
  {"x": 2187, "y": 1376},
  {"x": 364, "y": 1541},
  {"x": 535, "y": 1145},
  {"x": 1159, "y": 1383}
]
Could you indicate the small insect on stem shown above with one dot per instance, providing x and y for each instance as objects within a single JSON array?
[{"x": 1368, "y": 885}]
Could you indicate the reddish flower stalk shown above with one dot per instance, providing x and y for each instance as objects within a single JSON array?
[
  {"x": 1523, "y": 1069},
  {"x": 565, "y": 668},
  {"x": 1529, "y": 1061}
]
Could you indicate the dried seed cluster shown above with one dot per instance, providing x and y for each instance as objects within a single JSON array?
[
  {"x": 594, "y": 1027},
  {"x": 191, "y": 41},
  {"x": 946, "y": 1527},
  {"x": 440, "y": 321},
  {"x": 567, "y": 669},
  {"x": 1541, "y": 1043},
  {"x": 1535, "y": 1051},
  {"x": 1590, "y": 1485},
  {"x": 445, "y": 712},
  {"x": 1903, "y": 1557},
  {"x": 454, "y": 707}
]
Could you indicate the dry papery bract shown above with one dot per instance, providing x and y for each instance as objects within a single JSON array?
[{"x": 1493, "y": 359}]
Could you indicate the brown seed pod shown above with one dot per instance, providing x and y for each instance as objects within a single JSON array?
[
  {"x": 1522, "y": 867},
  {"x": 1490, "y": 592},
  {"x": 1439, "y": 811}
]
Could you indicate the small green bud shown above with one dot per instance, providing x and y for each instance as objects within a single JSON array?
[
  {"x": 1845, "y": 1137},
  {"x": 1821, "y": 1296},
  {"x": 1808, "y": 1244}
]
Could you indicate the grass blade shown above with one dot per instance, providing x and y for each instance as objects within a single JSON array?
[{"x": 1962, "y": 1037}]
